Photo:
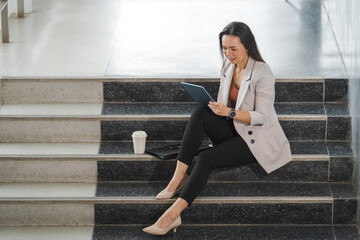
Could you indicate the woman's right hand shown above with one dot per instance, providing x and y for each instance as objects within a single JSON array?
[{"x": 219, "y": 109}]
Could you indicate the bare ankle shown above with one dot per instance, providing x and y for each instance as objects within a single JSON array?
[
  {"x": 179, "y": 175},
  {"x": 166, "y": 219},
  {"x": 172, "y": 185}
]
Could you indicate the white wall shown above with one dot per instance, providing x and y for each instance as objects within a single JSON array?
[
  {"x": 12, "y": 8},
  {"x": 345, "y": 20}
]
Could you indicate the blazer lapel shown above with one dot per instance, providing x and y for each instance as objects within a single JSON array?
[
  {"x": 228, "y": 80},
  {"x": 225, "y": 85},
  {"x": 245, "y": 83}
]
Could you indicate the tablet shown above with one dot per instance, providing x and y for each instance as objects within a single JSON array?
[{"x": 198, "y": 93}]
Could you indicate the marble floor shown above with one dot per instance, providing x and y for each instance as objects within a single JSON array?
[{"x": 162, "y": 39}]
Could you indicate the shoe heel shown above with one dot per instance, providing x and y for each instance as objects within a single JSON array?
[{"x": 175, "y": 230}]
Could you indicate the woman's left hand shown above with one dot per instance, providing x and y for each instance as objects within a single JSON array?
[{"x": 219, "y": 109}]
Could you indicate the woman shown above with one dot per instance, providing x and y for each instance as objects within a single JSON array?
[{"x": 242, "y": 125}]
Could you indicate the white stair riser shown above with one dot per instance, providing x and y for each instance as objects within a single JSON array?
[
  {"x": 46, "y": 214},
  {"x": 48, "y": 171},
  {"x": 22, "y": 131},
  {"x": 46, "y": 233},
  {"x": 51, "y": 91},
  {"x": 1, "y": 92}
]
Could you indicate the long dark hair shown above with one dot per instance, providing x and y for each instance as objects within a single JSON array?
[{"x": 247, "y": 38}]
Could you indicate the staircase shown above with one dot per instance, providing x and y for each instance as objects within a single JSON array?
[{"x": 67, "y": 165}]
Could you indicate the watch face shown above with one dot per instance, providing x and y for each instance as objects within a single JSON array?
[{"x": 232, "y": 113}]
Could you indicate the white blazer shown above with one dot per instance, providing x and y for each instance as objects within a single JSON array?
[{"x": 263, "y": 135}]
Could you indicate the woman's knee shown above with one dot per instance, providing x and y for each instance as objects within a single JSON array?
[
  {"x": 208, "y": 158},
  {"x": 200, "y": 113},
  {"x": 204, "y": 158}
]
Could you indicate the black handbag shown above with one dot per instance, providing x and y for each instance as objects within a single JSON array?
[{"x": 170, "y": 151}]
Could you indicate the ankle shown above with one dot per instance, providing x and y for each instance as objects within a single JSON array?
[
  {"x": 173, "y": 216},
  {"x": 173, "y": 184},
  {"x": 181, "y": 169},
  {"x": 176, "y": 179},
  {"x": 180, "y": 177},
  {"x": 166, "y": 219}
]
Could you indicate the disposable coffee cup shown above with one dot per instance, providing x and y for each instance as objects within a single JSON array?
[{"x": 139, "y": 140}]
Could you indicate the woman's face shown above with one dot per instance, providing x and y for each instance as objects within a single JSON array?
[{"x": 233, "y": 49}]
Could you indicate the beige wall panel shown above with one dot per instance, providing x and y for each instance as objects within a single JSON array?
[
  {"x": 48, "y": 171},
  {"x": 21, "y": 131},
  {"x": 46, "y": 213},
  {"x": 52, "y": 91},
  {"x": 46, "y": 233}
]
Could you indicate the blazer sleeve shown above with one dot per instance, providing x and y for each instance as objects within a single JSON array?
[{"x": 264, "y": 96}]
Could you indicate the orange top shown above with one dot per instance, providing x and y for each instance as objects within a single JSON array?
[{"x": 233, "y": 94}]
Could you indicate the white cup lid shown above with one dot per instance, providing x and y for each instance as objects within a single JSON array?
[{"x": 139, "y": 134}]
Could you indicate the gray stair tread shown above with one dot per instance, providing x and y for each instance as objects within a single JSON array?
[
  {"x": 254, "y": 232},
  {"x": 48, "y": 149},
  {"x": 148, "y": 108},
  {"x": 47, "y": 190},
  {"x": 54, "y": 110}
]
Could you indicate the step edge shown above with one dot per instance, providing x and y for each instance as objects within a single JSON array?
[
  {"x": 152, "y": 200},
  {"x": 239, "y": 225},
  {"x": 154, "y": 117},
  {"x": 149, "y": 79},
  {"x": 129, "y": 157}
]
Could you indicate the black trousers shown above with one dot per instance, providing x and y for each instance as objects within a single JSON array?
[{"x": 229, "y": 149}]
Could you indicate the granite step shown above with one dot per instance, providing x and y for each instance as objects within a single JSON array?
[
  {"x": 317, "y": 129},
  {"x": 100, "y": 89},
  {"x": 154, "y": 110},
  {"x": 91, "y": 162},
  {"x": 167, "y": 121},
  {"x": 89, "y": 123},
  {"x": 312, "y": 161},
  {"x": 170, "y": 90},
  {"x": 217, "y": 189},
  {"x": 134, "y": 203},
  {"x": 180, "y": 108},
  {"x": 233, "y": 203}
]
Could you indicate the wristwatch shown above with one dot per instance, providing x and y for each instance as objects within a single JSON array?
[{"x": 232, "y": 113}]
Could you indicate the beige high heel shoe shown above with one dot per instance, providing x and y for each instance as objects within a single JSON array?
[
  {"x": 164, "y": 194},
  {"x": 162, "y": 231}
]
